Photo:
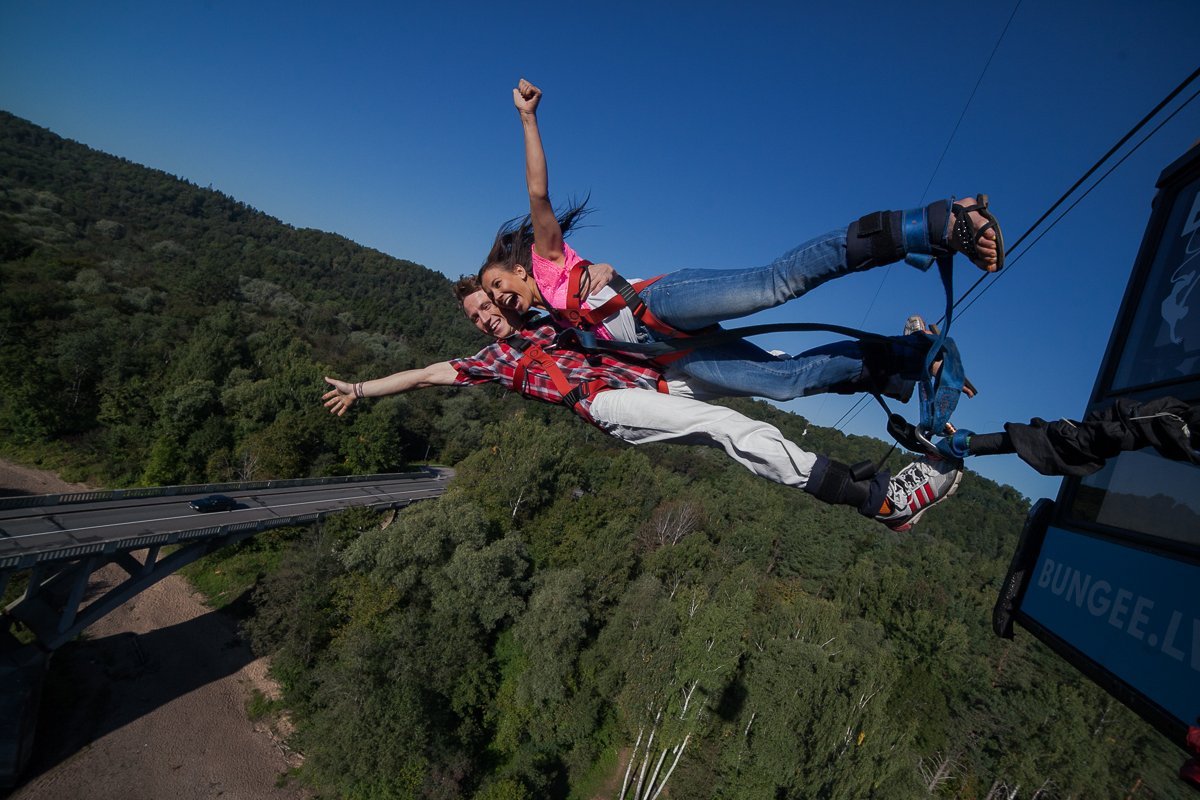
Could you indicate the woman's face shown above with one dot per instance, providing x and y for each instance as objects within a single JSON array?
[{"x": 509, "y": 289}]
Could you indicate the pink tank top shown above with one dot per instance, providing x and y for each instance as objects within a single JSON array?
[{"x": 551, "y": 280}]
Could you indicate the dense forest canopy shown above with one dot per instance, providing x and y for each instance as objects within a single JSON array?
[
  {"x": 188, "y": 333},
  {"x": 573, "y": 615}
]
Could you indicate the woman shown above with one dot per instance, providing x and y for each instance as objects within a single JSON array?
[{"x": 530, "y": 265}]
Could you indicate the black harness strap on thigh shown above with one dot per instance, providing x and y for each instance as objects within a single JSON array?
[{"x": 633, "y": 300}]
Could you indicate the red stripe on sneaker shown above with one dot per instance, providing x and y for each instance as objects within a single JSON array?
[{"x": 930, "y": 496}]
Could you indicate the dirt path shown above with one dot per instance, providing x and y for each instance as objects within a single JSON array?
[
  {"x": 15, "y": 479},
  {"x": 151, "y": 703}
]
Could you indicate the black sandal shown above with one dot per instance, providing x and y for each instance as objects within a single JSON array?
[{"x": 965, "y": 235}]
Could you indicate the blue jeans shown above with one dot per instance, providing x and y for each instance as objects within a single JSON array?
[{"x": 690, "y": 299}]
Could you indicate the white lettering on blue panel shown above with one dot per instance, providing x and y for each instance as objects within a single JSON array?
[{"x": 1134, "y": 612}]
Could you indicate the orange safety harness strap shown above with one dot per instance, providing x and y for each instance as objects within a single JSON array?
[
  {"x": 627, "y": 297},
  {"x": 572, "y": 394}
]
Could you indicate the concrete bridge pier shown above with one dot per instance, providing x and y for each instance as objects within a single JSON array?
[
  {"x": 54, "y": 607},
  {"x": 22, "y": 674}
]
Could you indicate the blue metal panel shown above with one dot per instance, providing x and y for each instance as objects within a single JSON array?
[{"x": 1135, "y": 613}]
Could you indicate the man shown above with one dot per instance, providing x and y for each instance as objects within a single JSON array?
[{"x": 633, "y": 401}]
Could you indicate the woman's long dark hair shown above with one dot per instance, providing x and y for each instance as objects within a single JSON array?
[{"x": 514, "y": 241}]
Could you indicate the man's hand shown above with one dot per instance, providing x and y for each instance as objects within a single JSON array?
[
  {"x": 598, "y": 276},
  {"x": 339, "y": 399},
  {"x": 526, "y": 97}
]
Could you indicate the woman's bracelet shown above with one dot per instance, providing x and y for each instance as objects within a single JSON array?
[{"x": 358, "y": 390}]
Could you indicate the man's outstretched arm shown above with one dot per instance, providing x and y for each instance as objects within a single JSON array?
[{"x": 343, "y": 395}]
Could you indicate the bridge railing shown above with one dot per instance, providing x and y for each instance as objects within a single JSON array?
[{"x": 32, "y": 501}]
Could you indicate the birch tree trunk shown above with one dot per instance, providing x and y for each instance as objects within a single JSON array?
[
  {"x": 646, "y": 759},
  {"x": 667, "y": 777},
  {"x": 629, "y": 766},
  {"x": 517, "y": 504},
  {"x": 654, "y": 775},
  {"x": 938, "y": 774},
  {"x": 687, "y": 699}
]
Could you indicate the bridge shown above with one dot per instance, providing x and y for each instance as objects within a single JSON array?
[{"x": 58, "y": 541}]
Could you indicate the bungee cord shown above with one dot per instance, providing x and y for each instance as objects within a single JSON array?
[
  {"x": 854, "y": 410},
  {"x": 1077, "y": 201},
  {"x": 857, "y": 405},
  {"x": 966, "y": 106}
]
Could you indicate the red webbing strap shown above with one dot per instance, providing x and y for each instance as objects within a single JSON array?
[
  {"x": 642, "y": 312},
  {"x": 589, "y": 390},
  {"x": 574, "y": 312},
  {"x": 572, "y": 396},
  {"x": 647, "y": 317},
  {"x": 535, "y": 354},
  {"x": 594, "y": 387},
  {"x": 618, "y": 302},
  {"x": 518, "y": 382},
  {"x": 1190, "y": 771}
]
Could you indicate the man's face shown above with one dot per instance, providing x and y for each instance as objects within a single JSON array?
[{"x": 488, "y": 317}]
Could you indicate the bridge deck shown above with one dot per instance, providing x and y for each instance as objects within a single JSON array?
[{"x": 37, "y": 534}]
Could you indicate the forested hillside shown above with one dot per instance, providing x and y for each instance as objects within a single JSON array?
[
  {"x": 573, "y": 614},
  {"x": 172, "y": 334}
]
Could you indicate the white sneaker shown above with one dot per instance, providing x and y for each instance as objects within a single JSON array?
[
  {"x": 916, "y": 488},
  {"x": 916, "y": 324}
]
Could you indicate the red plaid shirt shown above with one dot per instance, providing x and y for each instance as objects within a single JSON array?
[{"x": 498, "y": 361}]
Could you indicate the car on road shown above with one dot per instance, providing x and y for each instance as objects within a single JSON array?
[{"x": 214, "y": 502}]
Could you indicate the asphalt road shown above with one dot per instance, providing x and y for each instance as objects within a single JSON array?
[{"x": 45, "y": 529}]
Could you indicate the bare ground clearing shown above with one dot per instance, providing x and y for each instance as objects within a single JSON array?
[{"x": 151, "y": 703}]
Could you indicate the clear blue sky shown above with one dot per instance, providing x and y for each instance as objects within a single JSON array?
[{"x": 708, "y": 135}]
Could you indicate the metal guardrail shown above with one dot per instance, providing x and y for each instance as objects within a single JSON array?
[{"x": 198, "y": 488}]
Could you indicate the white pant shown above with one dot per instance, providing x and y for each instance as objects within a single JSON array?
[{"x": 641, "y": 416}]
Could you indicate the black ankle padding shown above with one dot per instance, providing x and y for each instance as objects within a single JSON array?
[
  {"x": 886, "y": 367},
  {"x": 883, "y": 361},
  {"x": 875, "y": 490},
  {"x": 906, "y": 355},
  {"x": 833, "y": 482},
  {"x": 937, "y": 223},
  {"x": 876, "y": 239},
  {"x": 862, "y": 470},
  {"x": 990, "y": 444}
]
